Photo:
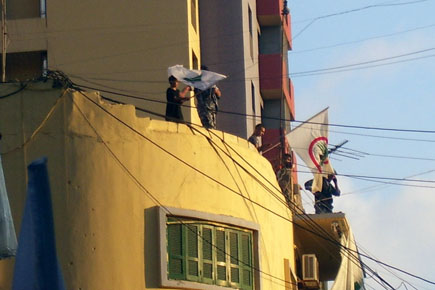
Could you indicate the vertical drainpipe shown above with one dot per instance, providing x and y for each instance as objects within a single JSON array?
[
  {"x": 284, "y": 14},
  {"x": 4, "y": 39}
]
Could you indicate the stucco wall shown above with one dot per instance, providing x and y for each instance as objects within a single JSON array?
[
  {"x": 226, "y": 48},
  {"x": 119, "y": 46},
  {"x": 108, "y": 168}
]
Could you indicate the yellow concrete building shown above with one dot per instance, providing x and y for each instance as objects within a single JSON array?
[
  {"x": 123, "y": 183},
  {"x": 145, "y": 204},
  {"x": 119, "y": 46}
]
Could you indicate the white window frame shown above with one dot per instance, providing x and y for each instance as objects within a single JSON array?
[{"x": 164, "y": 212}]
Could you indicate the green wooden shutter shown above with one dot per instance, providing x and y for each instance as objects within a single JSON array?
[
  {"x": 211, "y": 254},
  {"x": 246, "y": 261},
  {"x": 207, "y": 254},
  {"x": 192, "y": 235},
  {"x": 234, "y": 257},
  {"x": 176, "y": 263},
  {"x": 221, "y": 268}
]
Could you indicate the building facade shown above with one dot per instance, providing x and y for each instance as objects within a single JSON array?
[
  {"x": 127, "y": 48},
  {"x": 146, "y": 204},
  {"x": 119, "y": 47},
  {"x": 120, "y": 189}
]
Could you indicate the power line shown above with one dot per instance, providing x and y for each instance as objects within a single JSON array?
[
  {"x": 386, "y": 3},
  {"x": 256, "y": 203},
  {"x": 390, "y": 156},
  {"x": 375, "y": 180},
  {"x": 363, "y": 67},
  {"x": 202, "y": 172},
  {"x": 384, "y": 137},
  {"x": 385, "y": 184},
  {"x": 380, "y": 177},
  {"x": 302, "y": 215},
  {"x": 272, "y": 118},
  {"x": 361, "y": 40},
  {"x": 362, "y": 63},
  {"x": 153, "y": 198},
  {"x": 351, "y": 11}
]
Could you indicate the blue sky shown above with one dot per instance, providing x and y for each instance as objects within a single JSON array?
[{"x": 393, "y": 223}]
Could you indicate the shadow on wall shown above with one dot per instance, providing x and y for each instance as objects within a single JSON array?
[{"x": 151, "y": 246}]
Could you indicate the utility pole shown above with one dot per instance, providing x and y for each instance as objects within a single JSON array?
[{"x": 4, "y": 36}]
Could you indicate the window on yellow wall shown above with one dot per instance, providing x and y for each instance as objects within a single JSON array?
[
  {"x": 195, "y": 63},
  {"x": 210, "y": 253},
  {"x": 253, "y": 97},
  {"x": 193, "y": 13},
  {"x": 26, "y": 65},
  {"x": 251, "y": 35}
]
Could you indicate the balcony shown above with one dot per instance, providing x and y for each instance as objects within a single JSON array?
[
  {"x": 274, "y": 81},
  {"x": 269, "y": 13},
  {"x": 23, "y": 42},
  {"x": 333, "y": 226},
  {"x": 270, "y": 66},
  {"x": 273, "y": 153}
]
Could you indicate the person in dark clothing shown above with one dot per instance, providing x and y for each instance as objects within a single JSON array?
[
  {"x": 284, "y": 177},
  {"x": 323, "y": 199},
  {"x": 258, "y": 133},
  {"x": 207, "y": 104},
  {"x": 175, "y": 98}
]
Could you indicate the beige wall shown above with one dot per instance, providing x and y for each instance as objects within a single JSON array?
[
  {"x": 105, "y": 231},
  {"x": 121, "y": 46},
  {"x": 226, "y": 48},
  {"x": 18, "y": 9}
]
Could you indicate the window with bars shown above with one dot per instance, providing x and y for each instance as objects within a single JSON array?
[
  {"x": 209, "y": 253},
  {"x": 193, "y": 13}
]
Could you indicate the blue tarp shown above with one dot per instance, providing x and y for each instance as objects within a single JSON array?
[{"x": 36, "y": 265}]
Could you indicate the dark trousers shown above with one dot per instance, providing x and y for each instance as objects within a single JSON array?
[{"x": 323, "y": 206}]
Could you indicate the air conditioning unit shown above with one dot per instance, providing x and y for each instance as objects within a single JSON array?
[{"x": 310, "y": 271}]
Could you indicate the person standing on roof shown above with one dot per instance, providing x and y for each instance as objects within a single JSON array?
[
  {"x": 175, "y": 98},
  {"x": 284, "y": 177},
  {"x": 323, "y": 199},
  {"x": 207, "y": 104},
  {"x": 256, "y": 136}
]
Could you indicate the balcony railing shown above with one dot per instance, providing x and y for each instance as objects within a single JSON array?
[{"x": 269, "y": 13}]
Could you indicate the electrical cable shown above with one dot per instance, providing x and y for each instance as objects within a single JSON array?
[
  {"x": 361, "y": 40},
  {"x": 361, "y": 63},
  {"x": 232, "y": 189},
  {"x": 387, "y": 269},
  {"x": 195, "y": 168},
  {"x": 360, "y": 177},
  {"x": 351, "y": 176},
  {"x": 154, "y": 199},
  {"x": 384, "y": 137},
  {"x": 379, "y": 177},
  {"x": 351, "y": 11},
  {"x": 363, "y": 67},
  {"x": 22, "y": 87},
  {"x": 291, "y": 221},
  {"x": 385, "y": 184},
  {"x": 40, "y": 126},
  {"x": 275, "y": 118},
  {"x": 305, "y": 217}
]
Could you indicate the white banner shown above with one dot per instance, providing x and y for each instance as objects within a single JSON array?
[
  {"x": 350, "y": 275},
  {"x": 310, "y": 141},
  {"x": 199, "y": 79}
]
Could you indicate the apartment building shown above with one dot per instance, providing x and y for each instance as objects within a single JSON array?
[
  {"x": 123, "y": 50},
  {"x": 116, "y": 46},
  {"x": 133, "y": 208}
]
